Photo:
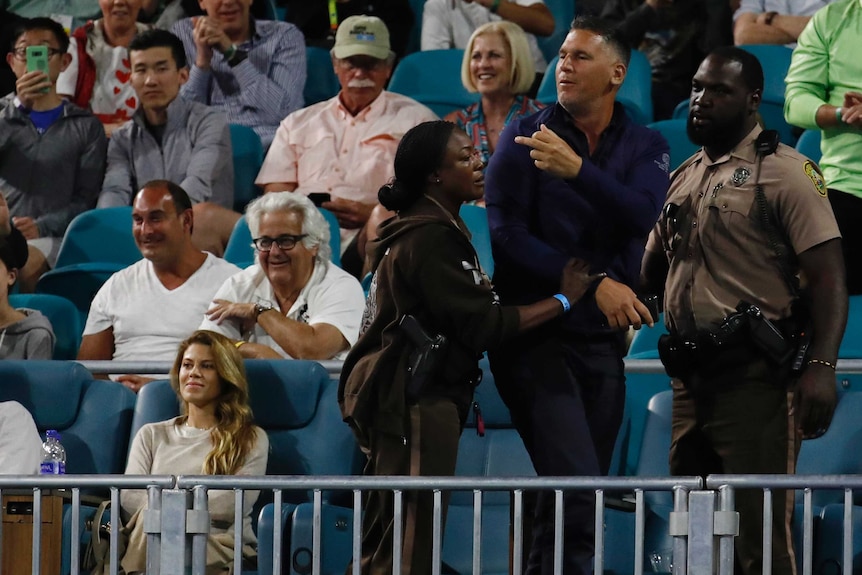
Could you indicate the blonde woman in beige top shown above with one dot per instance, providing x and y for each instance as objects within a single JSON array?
[{"x": 214, "y": 436}]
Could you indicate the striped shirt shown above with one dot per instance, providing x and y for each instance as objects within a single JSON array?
[{"x": 258, "y": 92}]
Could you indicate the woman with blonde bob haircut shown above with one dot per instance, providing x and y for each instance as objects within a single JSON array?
[
  {"x": 499, "y": 66},
  {"x": 214, "y": 435}
]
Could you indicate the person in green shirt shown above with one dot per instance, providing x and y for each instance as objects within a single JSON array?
[{"x": 824, "y": 92}]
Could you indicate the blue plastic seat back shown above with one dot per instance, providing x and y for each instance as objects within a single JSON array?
[
  {"x": 775, "y": 60},
  {"x": 247, "y": 159},
  {"x": 476, "y": 219},
  {"x": 837, "y": 451},
  {"x": 681, "y": 148},
  {"x": 442, "y": 90},
  {"x": 239, "y": 250},
  {"x": 293, "y": 401},
  {"x": 500, "y": 453},
  {"x": 851, "y": 344},
  {"x": 635, "y": 94},
  {"x": 78, "y": 283},
  {"x": 414, "y": 42},
  {"x": 321, "y": 83},
  {"x": 93, "y": 416},
  {"x": 100, "y": 235},
  {"x": 547, "y": 92},
  {"x": 640, "y": 389},
  {"x": 645, "y": 341},
  {"x": 829, "y": 540},
  {"x": 808, "y": 144},
  {"x": 63, "y": 315},
  {"x": 564, "y": 13}
]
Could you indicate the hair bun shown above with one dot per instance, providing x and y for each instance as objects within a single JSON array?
[{"x": 394, "y": 197}]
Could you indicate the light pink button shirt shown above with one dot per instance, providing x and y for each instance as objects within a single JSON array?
[{"x": 322, "y": 148}]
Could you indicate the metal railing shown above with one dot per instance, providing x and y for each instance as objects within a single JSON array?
[{"x": 177, "y": 522}]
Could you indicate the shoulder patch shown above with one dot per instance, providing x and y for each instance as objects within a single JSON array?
[{"x": 813, "y": 172}]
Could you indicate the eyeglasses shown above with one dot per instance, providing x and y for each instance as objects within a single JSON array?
[
  {"x": 20, "y": 53},
  {"x": 285, "y": 243}
]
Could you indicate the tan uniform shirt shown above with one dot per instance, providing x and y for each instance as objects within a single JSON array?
[{"x": 718, "y": 249}]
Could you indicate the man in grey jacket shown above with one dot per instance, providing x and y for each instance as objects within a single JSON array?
[
  {"x": 172, "y": 139},
  {"x": 52, "y": 153}
]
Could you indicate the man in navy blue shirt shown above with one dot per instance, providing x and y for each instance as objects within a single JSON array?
[{"x": 577, "y": 179}]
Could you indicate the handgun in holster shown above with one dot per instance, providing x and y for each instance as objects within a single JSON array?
[{"x": 426, "y": 359}]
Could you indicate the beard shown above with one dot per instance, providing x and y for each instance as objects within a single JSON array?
[{"x": 721, "y": 134}]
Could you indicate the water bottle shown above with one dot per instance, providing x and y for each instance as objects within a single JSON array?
[{"x": 53, "y": 454}]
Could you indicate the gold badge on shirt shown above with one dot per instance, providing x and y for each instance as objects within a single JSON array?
[
  {"x": 740, "y": 176},
  {"x": 815, "y": 176}
]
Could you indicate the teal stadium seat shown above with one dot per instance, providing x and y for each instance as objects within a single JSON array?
[
  {"x": 652, "y": 461},
  {"x": 564, "y": 13},
  {"x": 476, "y": 219},
  {"x": 775, "y": 60},
  {"x": 97, "y": 244},
  {"x": 635, "y": 94},
  {"x": 64, "y": 317},
  {"x": 93, "y": 417},
  {"x": 100, "y": 235},
  {"x": 681, "y": 148},
  {"x": 441, "y": 91},
  {"x": 500, "y": 453},
  {"x": 808, "y": 144},
  {"x": 239, "y": 250},
  {"x": 247, "y": 159},
  {"x": 829, "y": 541},
  {"x": 414, "y": 42},
  {"x": 78, "y": 283},
  {"x": 321, "y": 83}
]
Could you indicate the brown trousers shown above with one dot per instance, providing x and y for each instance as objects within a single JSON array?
[
  {"x": 739, "y": 422},
  {"x": 439, "y": 428}
]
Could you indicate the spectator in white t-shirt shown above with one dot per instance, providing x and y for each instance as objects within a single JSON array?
[
  {"x": 144, "y": 311},
  {"x": 294, "y": 302}
]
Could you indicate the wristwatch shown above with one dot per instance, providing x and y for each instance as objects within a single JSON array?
[{"x": 259, "y": 308}]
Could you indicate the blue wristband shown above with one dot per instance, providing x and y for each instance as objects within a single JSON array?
[{"x": 563, "y": 300}]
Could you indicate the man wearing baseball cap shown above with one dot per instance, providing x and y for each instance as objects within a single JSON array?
[{"x": 344, "y": 147}]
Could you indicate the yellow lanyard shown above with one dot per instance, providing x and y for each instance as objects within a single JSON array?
[{"x": 333, "y": 16}]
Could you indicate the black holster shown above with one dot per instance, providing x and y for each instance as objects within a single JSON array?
[{"x": 426, "y": 359}]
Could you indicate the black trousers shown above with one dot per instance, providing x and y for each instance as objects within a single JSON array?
[
  {"x": 566, "y": 396},
  {"x": 848, "y": 214}
]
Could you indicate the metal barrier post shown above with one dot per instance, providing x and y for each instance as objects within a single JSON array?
[
  {"x": 730, "y": 530},
  {"x": 37, "y": 531},
  {"x": 701, "y": 538},
  {"x": 174, "y": 551},
  {"x": 678, "y": 527},
  {"x": 114, "y": 552},
  {"x": 152, "y": 527},
  {"x": 198, "y": 527}
]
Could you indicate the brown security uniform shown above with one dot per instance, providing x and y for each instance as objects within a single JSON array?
[
  {"x": 425, "y": 267},
  {"x": 731, "y": 415}
]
